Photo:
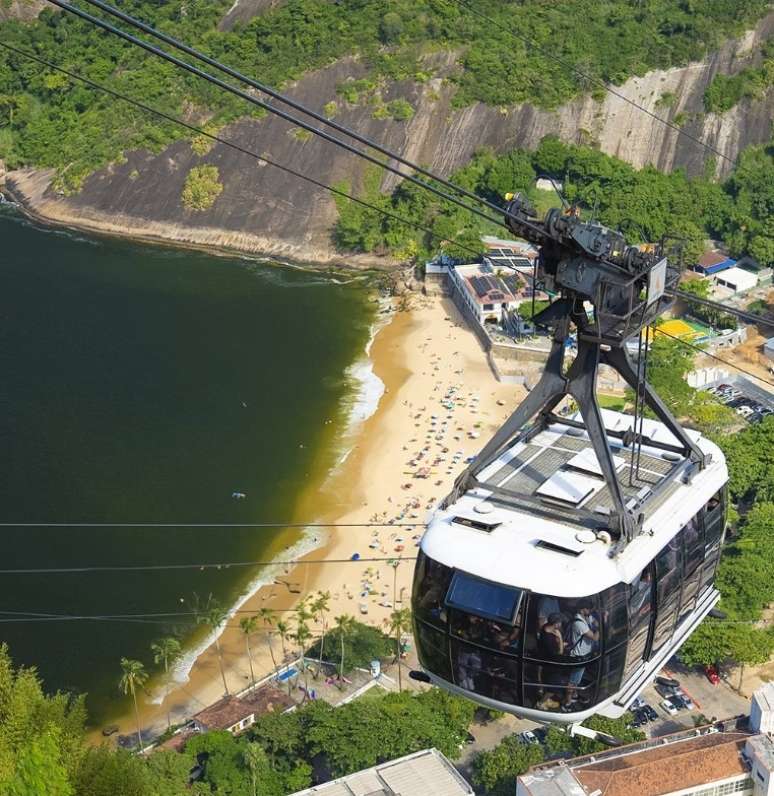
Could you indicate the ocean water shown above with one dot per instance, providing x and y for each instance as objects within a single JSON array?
[{"x": 142, "y": 384}]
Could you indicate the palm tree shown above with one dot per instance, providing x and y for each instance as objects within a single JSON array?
[
  {"x": 134, "y": 676},
  {"x": 302, "y": 636},
  {"x": 248, "y": 625},
  {"x": 284, "y": 633},
  {"x": 213, "y": 615},
  {"x": 254, "y": 756},
  {"x": 319, "y": 608},
  {"x": 345, "y": 624},
  {"x": 399, "y": 623},
  {"x": 267, "y": 616},
  {"x": 166, "y": 651}
]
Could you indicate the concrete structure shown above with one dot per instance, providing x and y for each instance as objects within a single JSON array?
[
  {"x": 736, "y": 280},
  {"x": 768, "y": 348},
  {"x": 426, "y": 773},
  {"x": 729, "y": 757},
  {"x": 713, "y": 262},
  {"x": 237, "y": 713}
]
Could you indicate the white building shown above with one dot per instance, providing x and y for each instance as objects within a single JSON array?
[
  {"x": 544, "y": 184},
  {"x": 735, "y": 280},
  {"x": 426, "y": 773},
  {"x": 483, "y": 293}
]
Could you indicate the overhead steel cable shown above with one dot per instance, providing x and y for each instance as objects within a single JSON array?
[
  {"x": 289, "y": 101},
  {"x": 194, "y": 70},
  {"x": 698, "y": 348},
  {"x": 213, "y": 137},
  {"x": 716, "y": 305},
  {"x": 533, "y": 44},
  {"x": 200, "y": 566}
]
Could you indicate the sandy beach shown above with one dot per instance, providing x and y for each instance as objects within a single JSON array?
[{"x": 441, "y": 404}]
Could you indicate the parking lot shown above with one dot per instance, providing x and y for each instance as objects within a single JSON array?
[{"x": 747, "y": 399}]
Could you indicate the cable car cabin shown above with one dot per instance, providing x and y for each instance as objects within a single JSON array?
[{"x": 531, "y": 613}]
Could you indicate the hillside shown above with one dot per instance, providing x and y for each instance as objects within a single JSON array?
[{"x": 262, "y": 210}]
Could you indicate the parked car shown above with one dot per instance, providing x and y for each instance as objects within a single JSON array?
[
  {"x": 667, "y": 705},
  {"x": 528, "y": 737},
  {"x": 681, "y": 701},
  {"x": 638, "y": 703},
  {"x": 650, "y": 713},
  {"x": 712, "y": 675}
]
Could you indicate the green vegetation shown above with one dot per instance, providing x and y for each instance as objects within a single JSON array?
[
  {"x": 495, "y": 770},
  {"x": 43, "y": 748},
  {"x": 726, "y": 91},
  {"x": 202, "y": 187},
  {"x": 67, "y": 126},
  {"x": 361, "y": 644},
  {"x": 645, "y": 204},
  {"x": 715, "y": 318}
]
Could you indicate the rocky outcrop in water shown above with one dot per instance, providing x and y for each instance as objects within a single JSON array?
[{"x": 263, "y": 210}]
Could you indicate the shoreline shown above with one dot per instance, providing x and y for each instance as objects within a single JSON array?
[
  {"x": 429, "y": 363},
  {"x": 290, "y": 256}
]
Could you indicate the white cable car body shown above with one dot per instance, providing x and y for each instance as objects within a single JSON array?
[
  {"x": 492, "y": 573},
  {"x": 575, "y": 554}
]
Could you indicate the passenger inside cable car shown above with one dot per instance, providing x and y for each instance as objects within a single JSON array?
[{"x": 558, "y": 654}]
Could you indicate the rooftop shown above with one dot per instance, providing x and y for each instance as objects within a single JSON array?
[
  {"x": 671, "y": 767},
  {"x": 426, "y": 773},
  {"x": 684, "y": 760},
  {"x": 231, "y": 709},
  {"x": 546, "y": 479}
]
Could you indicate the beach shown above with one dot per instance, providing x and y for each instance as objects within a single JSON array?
[{"x": 441, "y": 403}]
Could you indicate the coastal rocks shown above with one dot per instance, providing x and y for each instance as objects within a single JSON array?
[{"x": 263, "y": 211}]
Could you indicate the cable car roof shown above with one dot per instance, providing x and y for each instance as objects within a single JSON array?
[{"x": 554, "y": 553}]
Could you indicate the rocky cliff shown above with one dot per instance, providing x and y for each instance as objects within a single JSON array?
[{"x": 262, "y": 210}]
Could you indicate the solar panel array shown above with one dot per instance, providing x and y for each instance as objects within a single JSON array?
[{"x": 483, "y": 285}]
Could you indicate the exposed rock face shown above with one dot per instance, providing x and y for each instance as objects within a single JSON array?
[
  {"x": 245, "y": 10},
  {"x": 264, "y": 210},
  {"x": 22, "y": 9}
]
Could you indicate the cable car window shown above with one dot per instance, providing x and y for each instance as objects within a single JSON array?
[
  {"x": 486, "y": 673},
  {"x": 560, "y": 687},
  {"x": 615, "y": 615},
  {"x": 431, "y": 582},
  {"x": 484, "y": 598},
  {"x": 556, "y": 626},
  {"x": 693, "y": 546},
  {"x": 611, "y": 673},
  {"x": 668, "y": 577},
  {"x": 433, "y": 650},
  {"x": 640, "y": 611},
  {"x": 499, "y": 636}
]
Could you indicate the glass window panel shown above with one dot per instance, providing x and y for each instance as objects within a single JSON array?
[
  {"x": 431, "y": 582},
  {"x": 640, "y": 613},
  {"x": 555, "y": 625},
  {"x": 499, "y": 636},
  {"x": 432, "y": 648},
  {"x": 693, "y": 546},
  {"x": 485, "y": 673},
  {"x": 560, "y": 688},
  {"x": 611, "y": 673},
  {"x": 615, "y": 615},
  {"x": 484, "y": 598},
  {"x": 666, "y": 619}
]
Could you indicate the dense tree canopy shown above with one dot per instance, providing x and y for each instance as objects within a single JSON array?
[
  {"x": 645, "y": 204},
  {"x": 47, "y": 120}
]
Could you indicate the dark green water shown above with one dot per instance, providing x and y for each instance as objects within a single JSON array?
[{"x": 123, "y": 374}]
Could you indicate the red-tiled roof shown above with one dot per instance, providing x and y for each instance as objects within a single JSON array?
[
  {"x": 668, "y": 768},
  {"x": 711, "y": 258},
  {"x": 230, "y": 710}
]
